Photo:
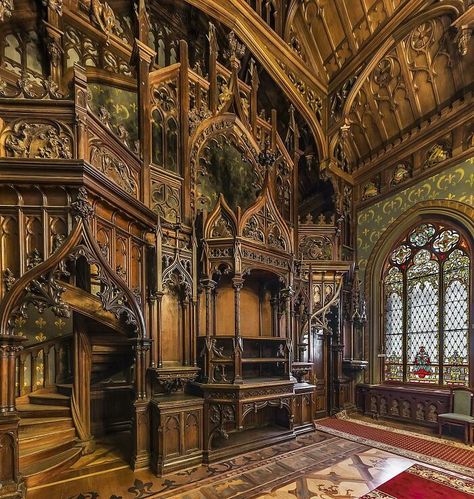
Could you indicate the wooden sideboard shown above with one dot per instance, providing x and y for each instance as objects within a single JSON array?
[
  {"x": 177, "y": 439},
  {"x": 420, "y": 405}
]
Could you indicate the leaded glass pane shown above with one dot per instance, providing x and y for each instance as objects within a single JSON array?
[
  {"x": 435, "y": 331},
  {"x": 456, "y": 319},
  {"x": 445, "y": 241},
  {"x": 401, "y": 254},
  {"x": 423, "y": 320},
  {"x": 394, "y": 325},
  {"x": 422, "y": 234}
]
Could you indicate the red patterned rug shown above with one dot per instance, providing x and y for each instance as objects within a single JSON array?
[
  {"x": 420, "y": 482},
  {"x": 436, "y": 453}
]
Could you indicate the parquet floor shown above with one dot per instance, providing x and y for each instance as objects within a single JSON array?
[{"x": 314, "y": 465}]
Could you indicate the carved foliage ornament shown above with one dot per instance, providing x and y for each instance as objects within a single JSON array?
[
  {"x": 56, "y": 5},
  {"x": 31, "y": 89},
  {"x": 437, "y": 153},
  {"x": 369, "y": 190},
  {"x": 81, "y": 207},
  {"x": 316, "y": 248},
  {"x": 222, "y": 227},
  {"x": 43, "y": 293},
  {"x": 462, "y": 39},
  {"x": 103, "y": 15},
  {"x": 114, "y": 168},
  {"x": 400, "y": 174},
  {"x": 6, "y": 9},
  {"x": 37, "y": 140}
]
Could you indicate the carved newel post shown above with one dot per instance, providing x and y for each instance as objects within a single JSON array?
[
  {"x": 141, "y": 416},
  {"x": 10, "y": 479}
]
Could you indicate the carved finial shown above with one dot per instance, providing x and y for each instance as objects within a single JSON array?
[
  {"x": 462, "y": 39},
  {"x": 236, "y": 49},
  {"x": 103, "y": 15},
  {"x": 34, "y": 259},
  {"x": 212, "y": 38},
  {"x": 8, "y": 279},
  {"x": 266, "y": 158},
  {"x": 81, "y": 207},
  {"x": 56, "y": 5}
]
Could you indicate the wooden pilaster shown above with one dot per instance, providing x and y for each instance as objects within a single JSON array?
[
  {"x": 143, "y": 57},
  {"x": 10, "y": 479}
]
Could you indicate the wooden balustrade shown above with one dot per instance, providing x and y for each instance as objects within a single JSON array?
[{"x": 44, "y": 364}]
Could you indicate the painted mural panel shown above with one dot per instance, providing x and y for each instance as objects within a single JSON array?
[{"x": 455, "y": 183}]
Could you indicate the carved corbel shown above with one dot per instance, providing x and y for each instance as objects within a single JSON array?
[{"x": 463, "y": 27}]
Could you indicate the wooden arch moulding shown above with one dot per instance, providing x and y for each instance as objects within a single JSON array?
[
  {"x": 42, "y": 285},
  {"x": 453, "y": 9}
]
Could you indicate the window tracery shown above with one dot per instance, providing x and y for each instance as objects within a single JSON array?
[{"x": 426, "y": 294}]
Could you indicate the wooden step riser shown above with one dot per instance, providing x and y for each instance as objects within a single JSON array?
[
  {"x": 46, "y": 475},
  {"x": 28, "y": 430},
  {"x": 31, "y": 441},
  {"x": 45, "y": 400},
  {"x": 37, "y": 457},
  {"x": 64, "y": 390},
  {"x": 45, "y": 413}
]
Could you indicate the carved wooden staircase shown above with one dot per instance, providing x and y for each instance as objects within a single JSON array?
[{"x": 47, "y": 437}]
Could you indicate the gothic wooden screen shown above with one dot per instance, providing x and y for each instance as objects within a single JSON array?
[{"x": 426, "y": 287}]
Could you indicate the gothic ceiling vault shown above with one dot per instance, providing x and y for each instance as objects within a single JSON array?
[{"x": 366, "y": 72}]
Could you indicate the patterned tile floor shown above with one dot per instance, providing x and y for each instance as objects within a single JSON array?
[{"x": 316, "y": 465}]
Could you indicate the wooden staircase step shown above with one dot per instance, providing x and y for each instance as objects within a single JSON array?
[
  {"x": 41, "y": 452},
  {"x": 49, "y": 398},
  {"x": 42, "y": 472},
  {"x": 44, "y": 425},
  {"x": 42, "y": 437},
  {"x": 42, "y": 411},
  {"x": 64, "y": 389}
]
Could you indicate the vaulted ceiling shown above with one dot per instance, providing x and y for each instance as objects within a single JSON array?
[
  {"x": 331, "y": 32},
  {"x": 389, "y": 64}
]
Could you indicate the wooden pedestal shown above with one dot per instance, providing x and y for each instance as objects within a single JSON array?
[
  {"x": 10, "y": 482},
  {"x": 177, "y": 439},
  {"x": 242, "y": 417},
  {"x": 303, "y": 408}
]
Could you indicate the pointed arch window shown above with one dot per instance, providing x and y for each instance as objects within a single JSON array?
[{"x": 426, "y": 288}]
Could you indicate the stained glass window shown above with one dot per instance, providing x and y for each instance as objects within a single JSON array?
[{"x": 426, "y": 297}]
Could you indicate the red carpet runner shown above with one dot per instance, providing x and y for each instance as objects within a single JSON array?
[
  {"x": 419, "y": 482},
  {"x": 446, "y": 452}
]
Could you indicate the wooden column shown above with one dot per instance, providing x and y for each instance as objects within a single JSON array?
[
  {"x": 143, "y": 57},
  {"x": 81, "y": 389},
  {"x": 274, "y": 306},
  {"x": 185, "y": 330},
  {"x": 9, "y": 458},
  {"x": 54, "y": 41},
  {"x": 80, "y": 111},
  {"x": 213, "y": 90},
  {"x": 184, "y": 128},
  {"x": 237, "y": 283},
  {"x": 9, "y": 473},
  {"x": 208, "y": 285},
  {"x": 141, "y": 416},
  {"x": 194, "y": 312}
]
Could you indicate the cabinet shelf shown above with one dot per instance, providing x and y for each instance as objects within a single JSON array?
[{"x": 261, "y": 360}]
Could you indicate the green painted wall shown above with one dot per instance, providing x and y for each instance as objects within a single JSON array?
[{"x": 455, "y": 183}]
